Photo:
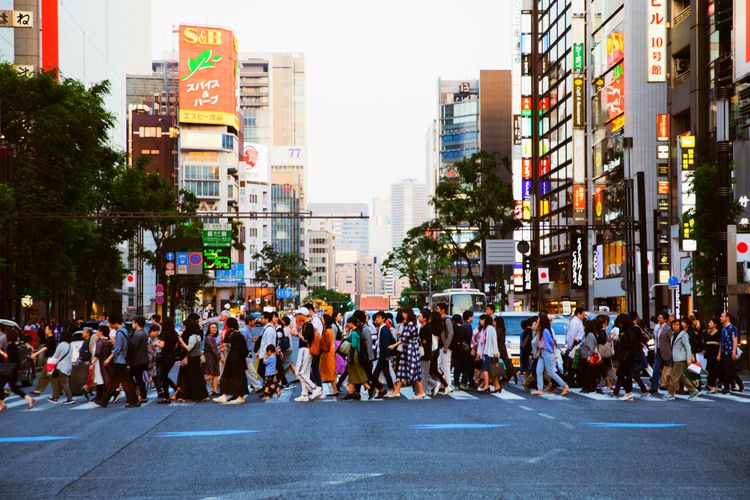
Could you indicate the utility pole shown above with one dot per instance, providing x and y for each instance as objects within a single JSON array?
[
  {"x": 535, "y": 295},
  {"x": 643, "y": 244},
  {"x": 630, "y": 285}
]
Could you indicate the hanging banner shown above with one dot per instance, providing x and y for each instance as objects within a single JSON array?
[
  {"x": 577, "y": 260},
  {"x": 741, "y": 48},
  {"x": 656, "y": 41}
]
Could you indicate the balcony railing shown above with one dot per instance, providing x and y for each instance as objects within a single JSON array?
[
  {"x": 682, "y": 77},
  {"x": 681, "y": 16}
]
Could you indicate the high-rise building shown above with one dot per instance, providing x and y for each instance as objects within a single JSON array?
[
  {"x": 209, "y": 130},
  {"x": 380, "y": 229},
  {"x": 473, "y": 115},
  {"x": 322, "y": 261},
  {"x": 408, "y": 208},
  {"x": 85, "y": 40},
  {"x": 288, "y": 196},
  {"x": 351, "y": 234}
]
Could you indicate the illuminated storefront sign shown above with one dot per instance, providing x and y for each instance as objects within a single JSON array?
[
  {"x": 578, "y": 57},
  {"x": 578, "y": 258},
  {"x": 662, "y": 127},
  {"x": 579, "y": 109},
  {"x": 208, "y": 76},
  {"x": 579, "y": 198},
  {"x": 656, "y": 41},
  {"x": 687, "y": 167}
]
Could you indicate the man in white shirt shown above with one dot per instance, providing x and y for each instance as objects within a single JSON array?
[
  {"x": 576, "y": 331},
  {"x": 268, "y": 337}
]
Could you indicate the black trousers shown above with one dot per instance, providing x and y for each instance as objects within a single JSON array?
[
  {"x": 137, "y": 373},
  {"x": 381, "y": 366},
  {"x": 13, "y": 384},
  {"x": 625, "y": 375},
  {"x": 463, "y": 367},
  {"x": 315, "y": 371},
  {"x": 164, "y": 382},
  {"x": 120, "y": 376},
  {"x": 729, "y": 377}
]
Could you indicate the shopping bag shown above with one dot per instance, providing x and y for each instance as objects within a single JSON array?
[{"x": 694, "y": 369}]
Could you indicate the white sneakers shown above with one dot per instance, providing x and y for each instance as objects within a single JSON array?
[
  {"x": 221, "y": 399},
  {"x": 316, "y": 393},
  {"x": 436, "y": 390},
  {"x": 627, "y": 397},
  {"x": 237, "y": 401},
  {"x": 448, "y": 389},
  {"x": 302, "y": 399}
]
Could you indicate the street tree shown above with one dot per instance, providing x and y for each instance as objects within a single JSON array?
[
  {"x": 60, "y": 162},
  {"x": 339, "y": 301},
  {"x": 281, "y": 270},
  {"x": 422, "y": 257},
  {"x": 704, "y": 263},
  {"x": 472, "y": 208}
]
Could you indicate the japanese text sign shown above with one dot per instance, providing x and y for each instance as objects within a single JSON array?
[
  {"x": 656, "y": 41},
  {"x": 208, "y": 76}
]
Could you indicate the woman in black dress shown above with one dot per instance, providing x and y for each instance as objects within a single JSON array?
[
  {"x": 193, "y": 385},
  {"x": 233, "y": 379}
]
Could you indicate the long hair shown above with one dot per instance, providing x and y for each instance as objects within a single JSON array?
[{"x": 544, "y": 324}]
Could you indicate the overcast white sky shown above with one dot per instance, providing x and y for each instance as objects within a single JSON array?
[{"x": 372, "y": 69}]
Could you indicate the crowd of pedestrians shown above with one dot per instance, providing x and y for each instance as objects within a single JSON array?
[{"x": 432, "y": 352}]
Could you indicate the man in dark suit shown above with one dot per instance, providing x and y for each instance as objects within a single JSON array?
[
  {"x": 139, "y": 364},
  {"x": 384, "y": 339}
]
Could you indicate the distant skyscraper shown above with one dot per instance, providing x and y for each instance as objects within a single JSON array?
[
  {"x": 351, "y": 234},
  {"x": 380, "y": 228},
  {"x": 408, "y": 208}
]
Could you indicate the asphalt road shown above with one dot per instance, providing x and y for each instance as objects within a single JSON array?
[{"x": 477, "y": 446}]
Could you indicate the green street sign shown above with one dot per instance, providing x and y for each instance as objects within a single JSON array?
[
  {"x": 578, "y": 57},
  {"x": 217, "y": 238}
]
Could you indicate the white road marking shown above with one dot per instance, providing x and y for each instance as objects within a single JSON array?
[
  {"x": 546, "y": 416},
  {"x": 461, "y": 396},
  {"x": 593, "y": 395},
  {"x": 508, "y": 396}
]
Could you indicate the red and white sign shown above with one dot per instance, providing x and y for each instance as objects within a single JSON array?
[
  {"x": 579, "y": 197},
  {"x": 543, "y": 275},
  {"x": 743, "y": 247},
  {"x": 656, "y": 41},
  {"x": 740, "y": 39},
  {"x": 662, "y": 127},
  {"x": 662, "y": 187}
]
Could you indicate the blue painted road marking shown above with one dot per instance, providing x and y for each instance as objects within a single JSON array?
[
  {"x": 34, "y": 439},
  {"x": 628, "y": 425},
  {"x": 457, "y": 426},
  {"x": 204, "y": 433}
]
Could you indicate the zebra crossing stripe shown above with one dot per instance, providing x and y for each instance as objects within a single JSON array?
[
  {"x": 21, "y": 402},
  {"x": 730, "y": 397},
  {"x": 285, "y": 397},
  {"x": 593, "y": 395},
  {"x": 461, "y": 396},
  {"x": 508, "y": 396},
  {"x": 85, "y": 406}
]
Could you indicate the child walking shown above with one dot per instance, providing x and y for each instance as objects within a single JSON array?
[{"x": 270, "y": 383}]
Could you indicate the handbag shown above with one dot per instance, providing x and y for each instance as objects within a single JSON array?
[
  {"x": 694, "y": 369},
  {"x": 595, "y": 359},
  {"x": 606, "y": 350},
  {"x": 52, "y": 363},
  {"x": 496, "y": 370}
]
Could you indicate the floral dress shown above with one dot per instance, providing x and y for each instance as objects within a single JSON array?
[{"x": 409, "y": 367}]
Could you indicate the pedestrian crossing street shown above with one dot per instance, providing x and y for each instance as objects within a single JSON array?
[{"x": 510, "y": 393}]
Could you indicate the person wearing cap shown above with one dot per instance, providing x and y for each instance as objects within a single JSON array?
[{"x": 306, "y": 314}]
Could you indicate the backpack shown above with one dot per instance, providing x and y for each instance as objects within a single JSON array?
[{"x": 284, "y": 343}]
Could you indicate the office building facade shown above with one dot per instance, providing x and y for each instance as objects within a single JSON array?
[
  {"x": 408, "y": 208},
  {"x": 351, "y": 234}
]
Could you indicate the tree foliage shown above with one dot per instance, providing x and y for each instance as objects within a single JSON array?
[
  {"x": 281, "y": 270},
  {"x": 477, "y": 206},
  {"x": 704, "y": 265},
  {"x": 422, "y": 258},
  {"x": 339, "y": 301}
]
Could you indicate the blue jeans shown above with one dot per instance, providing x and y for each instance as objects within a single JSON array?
[
  {"x": 547, "y": 362},
  {"x": 656, "y": 375}
]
